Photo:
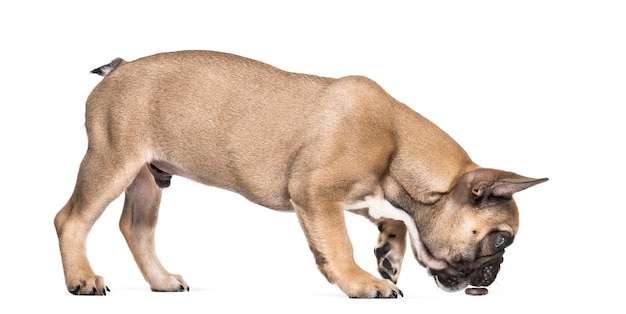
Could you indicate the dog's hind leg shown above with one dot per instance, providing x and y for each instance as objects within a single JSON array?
[
  {"x": 390, "y": 248},
  {"x": 138, "y": 222},
  {"x": 101, "y": 179}
]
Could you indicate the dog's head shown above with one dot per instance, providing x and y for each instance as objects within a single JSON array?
[{"x": 465, "y": 233}]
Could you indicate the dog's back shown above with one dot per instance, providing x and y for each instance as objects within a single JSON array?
[{"x": 244, "y": 116}]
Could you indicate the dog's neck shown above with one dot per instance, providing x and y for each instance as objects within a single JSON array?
[
  {"x": 441, "y": 159},
  {"x": 414, "y": 186}
]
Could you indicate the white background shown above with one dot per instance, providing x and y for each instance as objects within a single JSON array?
[{"x": 534, "y": 87}]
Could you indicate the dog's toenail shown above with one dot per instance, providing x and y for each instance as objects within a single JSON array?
[
  {"x": 75, "y": 291},
  {"x": 401, "y": 294},
  {"x": 394, "y": 294},
  {"x": 378, "y": 295}
]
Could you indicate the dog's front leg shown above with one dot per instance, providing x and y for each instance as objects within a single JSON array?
[
  {"x": 325, "y": 229},
  {"x": 138, "y": 222},
  {"x": 391, "y": 248}
]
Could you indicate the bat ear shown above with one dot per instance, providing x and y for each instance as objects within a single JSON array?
[{"x": 488, "y": 186}]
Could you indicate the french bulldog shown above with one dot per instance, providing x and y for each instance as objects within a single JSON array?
[{"x": 314, "y": 145}]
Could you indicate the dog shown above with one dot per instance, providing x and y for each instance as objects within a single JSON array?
[{"x": 291, "y": 142}]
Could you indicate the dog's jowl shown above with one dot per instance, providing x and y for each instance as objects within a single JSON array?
[{"x": 313, "y": 145}]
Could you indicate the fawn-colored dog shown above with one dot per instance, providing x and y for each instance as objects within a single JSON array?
[{"x": 290, "y": 142}]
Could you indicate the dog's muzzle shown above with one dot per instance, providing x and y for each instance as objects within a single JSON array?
[{"x": 480, "y": 273}]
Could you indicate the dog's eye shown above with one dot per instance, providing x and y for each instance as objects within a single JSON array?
[{"x": 502, "y": 240}]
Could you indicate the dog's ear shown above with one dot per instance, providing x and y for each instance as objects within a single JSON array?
[{"x": 489, "y": 186}]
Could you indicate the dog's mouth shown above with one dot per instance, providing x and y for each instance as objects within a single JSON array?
[{"x": 480, "y": 273}]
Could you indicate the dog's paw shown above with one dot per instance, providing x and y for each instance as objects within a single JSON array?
[
  {"x": 360, "y": 284},
  {"x": 91, "y": 285},
  {"x": 170, "y": 283},
  {"x": 390, "y": 249},
  {"x": 368, "y": 286},
  {"x": 387, "y": 268}
]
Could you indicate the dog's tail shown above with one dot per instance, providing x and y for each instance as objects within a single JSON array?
[{"x": 108, "y": 68}]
